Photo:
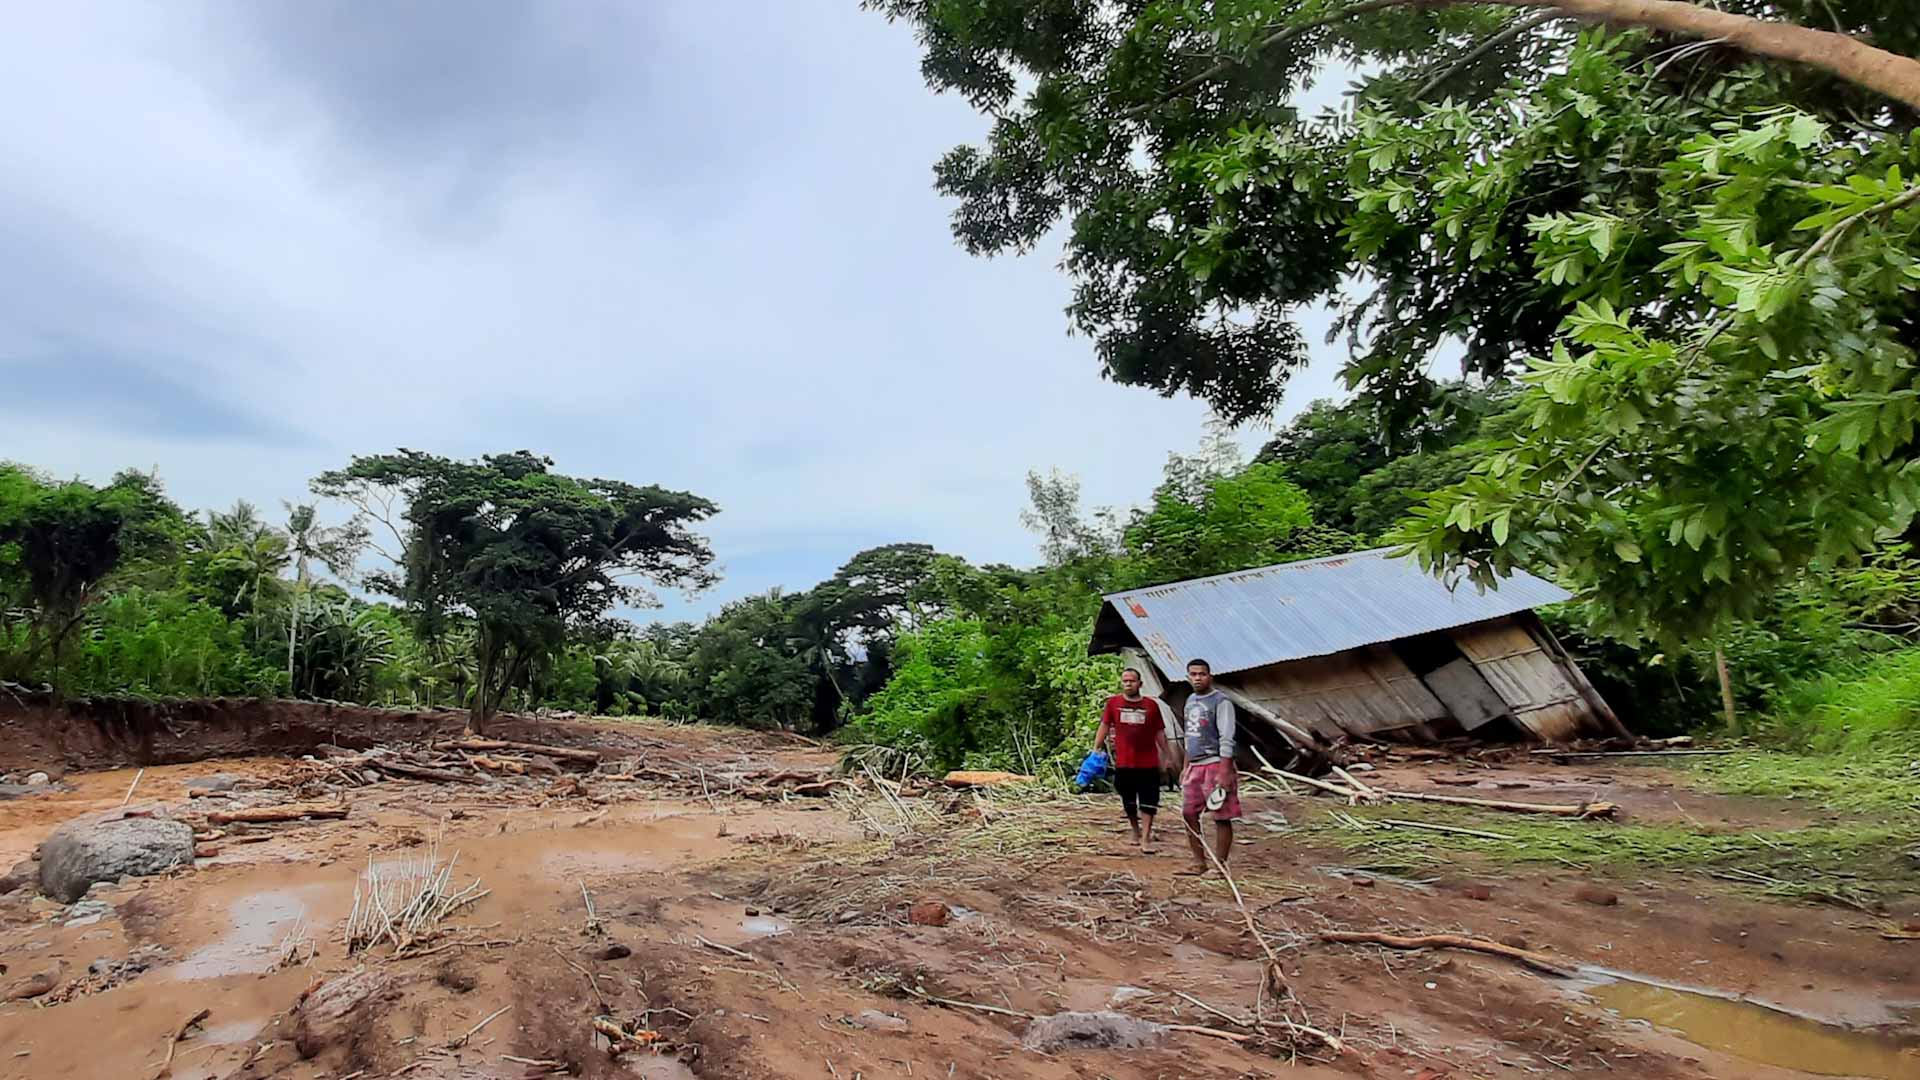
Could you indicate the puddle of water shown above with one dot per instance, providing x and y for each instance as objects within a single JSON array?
[
  {"x": 232, "y": 1033},
  {"x": 257, "y": 923},
  {"x": 762, "y": 926},
  {"x": 1761, "y": 1034}
]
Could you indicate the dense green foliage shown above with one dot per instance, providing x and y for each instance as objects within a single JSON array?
[{"x": 1699, "y": 263}]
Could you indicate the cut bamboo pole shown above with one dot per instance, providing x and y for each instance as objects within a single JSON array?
[{"x": 1573, "y": 810}]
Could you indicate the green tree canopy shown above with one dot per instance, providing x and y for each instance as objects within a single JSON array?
[
  {"x": 1691, "y": 233},
  {"x": 61, "y": 542},
  {"x": 523, "y": 552}
]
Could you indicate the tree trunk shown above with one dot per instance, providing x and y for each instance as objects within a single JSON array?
[
  {"x": 482, "y": 709},
  {"x": 1726, "y": 689},
  {"x": 1840, "y": 55}
]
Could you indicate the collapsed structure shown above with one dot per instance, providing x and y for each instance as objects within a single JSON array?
[{"x": 1362, "y": 646}]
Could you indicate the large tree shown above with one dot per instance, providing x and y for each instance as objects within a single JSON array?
[
  {"x": 1689, "y": 227},
  {"x": 521, "y": 552}
]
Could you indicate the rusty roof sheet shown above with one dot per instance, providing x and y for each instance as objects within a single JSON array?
[{"x": 1297, "y": 610}]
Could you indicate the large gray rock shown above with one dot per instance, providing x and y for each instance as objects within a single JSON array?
[{"x": 81, "y": 853}]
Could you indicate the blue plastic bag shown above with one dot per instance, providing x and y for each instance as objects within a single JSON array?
[{"x": 1091, "y": 770}]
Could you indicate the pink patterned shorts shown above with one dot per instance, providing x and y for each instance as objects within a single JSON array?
[{"x": 1201, "y": 780}]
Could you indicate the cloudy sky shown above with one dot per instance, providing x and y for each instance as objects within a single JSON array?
[{"x": 245, "y": 241}]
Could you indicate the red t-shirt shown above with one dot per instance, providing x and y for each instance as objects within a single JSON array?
[{"x": 1137, "y": 730}]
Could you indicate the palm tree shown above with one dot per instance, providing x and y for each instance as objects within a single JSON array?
[
  {"x": 244, "y": 544},
  {"x": 337, "y": 548}
]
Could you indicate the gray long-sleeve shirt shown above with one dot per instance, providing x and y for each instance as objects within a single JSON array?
[{"x": 1211, "y": 728}]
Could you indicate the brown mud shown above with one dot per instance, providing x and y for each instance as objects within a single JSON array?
[{"x": 774, "y": 939}]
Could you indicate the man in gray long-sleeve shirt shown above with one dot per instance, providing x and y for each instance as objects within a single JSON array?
[{"x": 1210, "y": 782}]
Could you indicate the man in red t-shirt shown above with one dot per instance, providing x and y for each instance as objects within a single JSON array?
[{"x": 1139, "y": 731}]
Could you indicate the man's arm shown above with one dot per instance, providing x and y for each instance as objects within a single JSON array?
[
  {"x": 1100, "y": 737},
  {"x": 1173, "y": 742},
  {"x": 1229, "y": 729}
]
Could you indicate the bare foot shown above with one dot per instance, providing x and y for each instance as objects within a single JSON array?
[{"x": 1192, "y": 871}]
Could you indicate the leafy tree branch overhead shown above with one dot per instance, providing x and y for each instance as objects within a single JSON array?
[{"x": 1709, "y": 204}]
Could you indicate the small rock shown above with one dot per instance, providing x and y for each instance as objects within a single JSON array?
[
  {"x": 216, "y": 782},
  {"x": 615, "y": 951},
  {"x": 1362, "y": 881},
  {"x": 328, "y": 1015},
  {"x": 1124, "y": 994},
  {"x": 930, "y": 913},
  {"x": 372, "y": 776},
  {"x": 205, "y": 851},
  {"x": 846, "y": 917},
  {"x": 1090, "y": 1031},
  {"x": 32, "y": 986},
  {"x": 88, "y": 912},
  {"x": 1595, "y": 895},
  {"x": 752, "y": 911},
  {"x": 456, "y": 977},
  {"x": 1476, "y": 891},
  {"x": 1513, "y": 941},
  {"x": 875, "y": 1020},
  {"x": 24, "y": 873},
  {"x": 39, "y": 779}
]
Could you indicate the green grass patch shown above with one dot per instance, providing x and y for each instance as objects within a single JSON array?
[
  {"x": 1857, "y": 863},
  {"x": 1855, "y": 708},
  {"x": 1879, "y": 779}
]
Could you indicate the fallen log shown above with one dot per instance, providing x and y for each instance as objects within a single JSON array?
[
  {"x": 421, "y": 772},
  {"x": 481, "y": 761},
  {"x": 966, "y": 779},
  {"x": 1533, "y": 960},
  {"x": 589, "y": 758},
  {"x": 263, "y": 814},
  {"x": 1573, "y": 810}
]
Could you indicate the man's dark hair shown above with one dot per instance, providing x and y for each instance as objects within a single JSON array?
[
  {"x": 1196, "y": 662},
  {"x": 1135, "y": 670}
]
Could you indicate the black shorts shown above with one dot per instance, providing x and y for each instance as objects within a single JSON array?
[{"x": 1139, "y": 789}]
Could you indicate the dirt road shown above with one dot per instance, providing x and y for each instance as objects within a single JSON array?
[{"x": 781, "y": 938}]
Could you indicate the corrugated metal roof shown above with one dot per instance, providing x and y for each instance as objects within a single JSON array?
[{"x": 1310, "y": 608}]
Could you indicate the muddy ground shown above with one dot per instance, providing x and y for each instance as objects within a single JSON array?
[{"x": 779, "y": 938}]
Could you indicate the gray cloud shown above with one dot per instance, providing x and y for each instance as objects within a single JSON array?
[{"x": 652, "y": 241}]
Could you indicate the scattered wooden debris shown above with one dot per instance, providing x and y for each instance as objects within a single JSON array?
[
  {"x": 1356, "y": 792},
  {"x": 402, "y": 903},
  {"x": 586, "y": 758},
  {"x": 421, "y": 772},
  {"x": 1525, "y": 957}
]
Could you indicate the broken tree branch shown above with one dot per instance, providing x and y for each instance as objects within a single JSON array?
[
  {"x": 173, "y": 1044},
  {"x": 1524, "y": 957}
]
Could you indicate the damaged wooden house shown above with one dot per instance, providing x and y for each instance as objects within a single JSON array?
[{"x": 1363, "y": 646}]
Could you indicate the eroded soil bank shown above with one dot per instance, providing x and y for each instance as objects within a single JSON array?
[{"x": 797, "y": 936}]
